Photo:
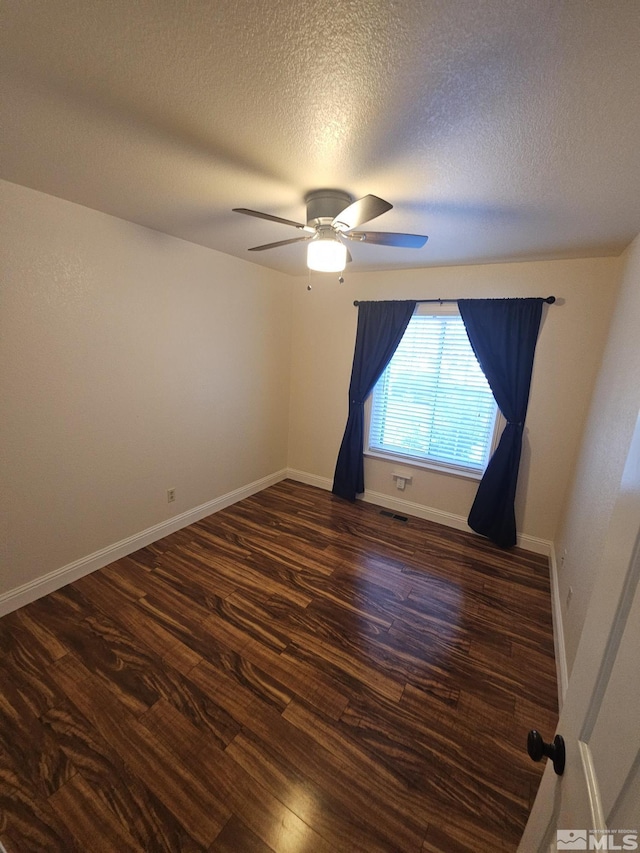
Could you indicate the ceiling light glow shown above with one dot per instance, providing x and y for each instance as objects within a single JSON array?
[{"x": 326, "y": 254}]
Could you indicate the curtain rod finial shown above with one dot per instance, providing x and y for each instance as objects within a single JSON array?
[{"x": 550, "y": 300}]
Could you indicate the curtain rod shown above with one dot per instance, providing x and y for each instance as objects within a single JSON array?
[{"x": 549, "y": 300}]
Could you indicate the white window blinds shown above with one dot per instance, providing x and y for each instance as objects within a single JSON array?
[{"x": 433, "y": 401}]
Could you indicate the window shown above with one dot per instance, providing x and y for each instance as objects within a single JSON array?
[{"x": 432, "y": 405}]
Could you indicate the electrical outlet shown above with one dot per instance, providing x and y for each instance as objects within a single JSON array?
[
  {"x": 171, "y": 495},
  {"x": 402, "y": 480}
]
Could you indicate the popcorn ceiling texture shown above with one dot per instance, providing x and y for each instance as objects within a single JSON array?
[{"x": 505, "y": 129}]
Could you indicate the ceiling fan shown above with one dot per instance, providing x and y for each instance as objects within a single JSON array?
[{"x": 331, "y": 217}]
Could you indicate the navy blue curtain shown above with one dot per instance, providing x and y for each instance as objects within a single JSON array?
[
  {"x": 503, "y": 334},
  {"x": 381, "y": 326}
]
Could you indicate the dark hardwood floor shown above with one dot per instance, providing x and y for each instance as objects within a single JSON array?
[{"x": 293, "y": 673}]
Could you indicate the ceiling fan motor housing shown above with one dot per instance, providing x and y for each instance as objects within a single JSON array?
[{"x": 324, "y": 205}]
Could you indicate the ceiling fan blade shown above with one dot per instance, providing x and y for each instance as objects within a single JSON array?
[
  {"x": 388, "y": 238},
  {"x": 349, "y": 258},
  {"x": 271, "y": 218},
  {"x": 362, "y": 210},
  {"x": 279, "y": 243}
]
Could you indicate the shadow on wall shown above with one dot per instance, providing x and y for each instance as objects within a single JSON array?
[{"x": 523, "y": 479}]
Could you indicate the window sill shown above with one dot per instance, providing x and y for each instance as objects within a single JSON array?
[{"x": 416, "y": 462}]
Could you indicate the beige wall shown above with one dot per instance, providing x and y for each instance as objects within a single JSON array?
[
  {"x": 568, "y": 356},
  {"x": 131, "y": 362},
  {"x": 612, "y": 417}
]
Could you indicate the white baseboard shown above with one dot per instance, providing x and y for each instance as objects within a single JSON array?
[
  {"x": 310, "y": 479},
  {"x": 18, "y": 597},
  {"x": 458, "y": 522},
  {"x": 558, "y": 630}
]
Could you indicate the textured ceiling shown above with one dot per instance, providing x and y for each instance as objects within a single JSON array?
[{"x": 503, "y": 129}]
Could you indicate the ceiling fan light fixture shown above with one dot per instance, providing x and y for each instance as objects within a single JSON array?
[
  {"x": 329, "y": 222},
  {"x": 326, "y": 254}
]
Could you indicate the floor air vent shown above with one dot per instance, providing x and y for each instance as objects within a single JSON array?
[{"x": 395, "y": 515}]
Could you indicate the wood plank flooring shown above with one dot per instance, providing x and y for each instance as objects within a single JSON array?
[{"x": 293, "y": 673}]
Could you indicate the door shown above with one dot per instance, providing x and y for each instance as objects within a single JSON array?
[{"x": 600, "y": 718}]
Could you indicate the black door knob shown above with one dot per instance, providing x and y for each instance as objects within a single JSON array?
[{"x": 537, "y": 749}]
